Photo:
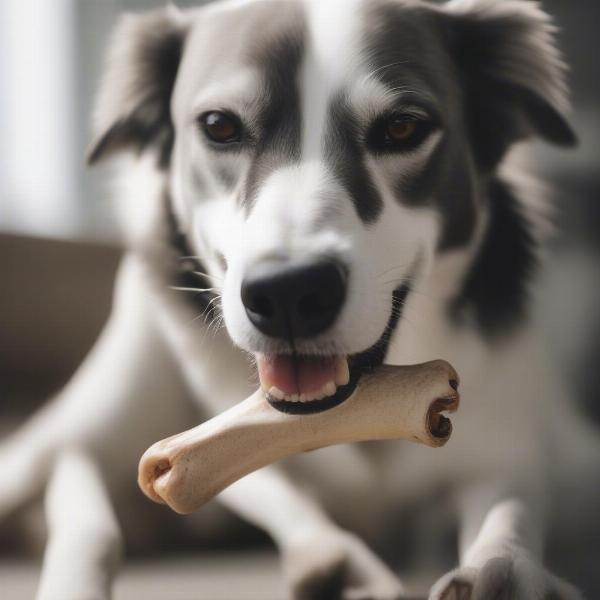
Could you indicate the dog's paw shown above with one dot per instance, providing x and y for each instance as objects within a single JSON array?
[
  {"x": 503, "y": 579},
  {"x": 336, "y": 565}
]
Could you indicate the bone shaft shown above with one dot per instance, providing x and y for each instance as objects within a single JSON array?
[{"x": 217, "y": 463}]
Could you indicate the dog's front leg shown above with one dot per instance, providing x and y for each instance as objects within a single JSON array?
[
  {"x": 500, "y": 558},
  {"x": 320, "y": 560},
  {"x": 127, "y": 393},
  {"x": 84, "y": 541},
  {"x": 127, "y": 379}
]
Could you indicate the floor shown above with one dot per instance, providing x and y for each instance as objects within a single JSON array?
[
  {"x": 233, "y": 576},
  {"x": 237, "y": 577}
]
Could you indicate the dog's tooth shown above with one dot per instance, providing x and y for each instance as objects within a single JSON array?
[
  {"x": 342, "y": 371},
  {"x": 329, "y": 389},
  {"x": 277, "y": 393}
]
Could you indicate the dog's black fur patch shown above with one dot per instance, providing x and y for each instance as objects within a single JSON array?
[
  {"x": 478, "y": 63},
  {"x": 346, "y": 156},
  {"x": 457, "y": 200},
  {"x": 500, "y": 111},
  {"x": 280, "y": 120},
  {"x": 145, "y": 81},
  {"x": 494, "y": 294},
  {"x": 406, "y": 52},
  {"x": 418, "y": 189},
  {"x": 446, "y": 181}
]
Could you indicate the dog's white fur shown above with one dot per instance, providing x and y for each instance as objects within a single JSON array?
[{"x": 130, "y": 390}]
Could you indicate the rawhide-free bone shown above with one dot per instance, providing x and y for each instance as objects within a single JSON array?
[{"x": 187, "y": 470}]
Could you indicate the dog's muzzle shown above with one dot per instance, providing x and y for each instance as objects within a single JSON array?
[
  {"x": 298, "y": 302},
  {"x": 295, "y": 302}
]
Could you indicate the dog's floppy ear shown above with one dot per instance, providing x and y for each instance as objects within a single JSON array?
[
  {"x": 133, "y": 110},
  {"x": 513, "y": 73}
]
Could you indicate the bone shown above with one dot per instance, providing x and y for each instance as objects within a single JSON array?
[{"x": 395, "y": 402}]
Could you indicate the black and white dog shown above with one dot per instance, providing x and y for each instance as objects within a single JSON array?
[{"x": 334, "y": 182}]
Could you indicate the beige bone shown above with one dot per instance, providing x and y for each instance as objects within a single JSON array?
[{"x": 187, "y": 470}]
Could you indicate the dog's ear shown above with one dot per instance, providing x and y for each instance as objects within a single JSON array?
[
  {"x": 133, "y": 109},
  {"x": 513, "y": 73}
]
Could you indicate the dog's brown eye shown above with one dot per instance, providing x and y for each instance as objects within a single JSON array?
[
  {"x": 401, "y": 130},
  {"x": 398, "y": 133},
  {"x": 221, "y": 128}
]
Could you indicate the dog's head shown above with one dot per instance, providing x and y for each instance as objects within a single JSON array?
[{"x": 321, "y": 156}]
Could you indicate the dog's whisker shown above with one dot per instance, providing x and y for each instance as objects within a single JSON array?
[
  {"x": 215, "y": 325},
  {"x": 398, "y": 281},
  {"x": 188, "y": 289},
  {"x": 198, "y": 317},
  {"x": 204, "y": 316},
  {"x": 215, "y": 302},
  {"x": 200, "y": 274},
  {"x": 408, "y": 277},
  {"x": 212, "y": 306},
  {"x": 189, "y": 258},
  {"x": 384, "y": 294},
  {"x": 396, "y": 268}
]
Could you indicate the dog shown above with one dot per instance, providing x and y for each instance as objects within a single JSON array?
[{"x": 310, "y": 189}]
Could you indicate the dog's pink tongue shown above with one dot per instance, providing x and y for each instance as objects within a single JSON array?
[{"x": 302, "y": 375}]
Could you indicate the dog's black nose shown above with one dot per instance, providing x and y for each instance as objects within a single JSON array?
[{"x": 290, "y": 302}]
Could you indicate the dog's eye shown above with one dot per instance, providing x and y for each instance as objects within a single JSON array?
[
  {"x": 401, "y": 130},
  {"x": 221, "y": 127},
  {"x": 398, "y": 133}
]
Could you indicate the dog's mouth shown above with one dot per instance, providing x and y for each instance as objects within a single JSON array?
[{"x": 304, "y": 384}]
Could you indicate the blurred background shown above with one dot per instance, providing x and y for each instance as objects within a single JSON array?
[{"x": 59, "y": 248}]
